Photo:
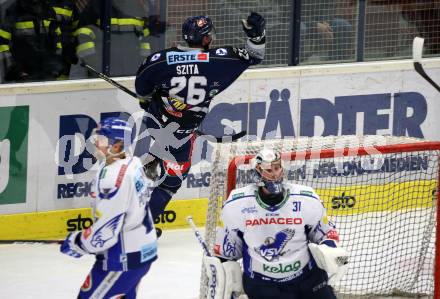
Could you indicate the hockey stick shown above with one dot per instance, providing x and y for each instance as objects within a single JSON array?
[
  {"x": 229, "y": 138},
  {"x": 199, "y": 237},
  {"x": 134, "y": 95},
  {"x": 202, "y": 242},
  {"x": 110, "y": 80},
  {"x": 417, "y": 57}
]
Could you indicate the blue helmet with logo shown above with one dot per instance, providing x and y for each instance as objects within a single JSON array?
[
  {"x": 115, "y": 130},
  {"x": 195, "y": 28}
]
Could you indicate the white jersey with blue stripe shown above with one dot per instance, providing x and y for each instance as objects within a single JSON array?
[
  {"x": 122, "y": 235},
  {"x": 272, "y": 240}
]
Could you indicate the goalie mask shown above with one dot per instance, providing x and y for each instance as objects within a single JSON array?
[
  {"x": 112, "y": 137},
  {"x": 268, "y": 171}
]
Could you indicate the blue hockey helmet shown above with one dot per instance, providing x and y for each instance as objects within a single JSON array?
[
  {"x": 114, "y": 130},
  {"x": 195, "y": 28}
]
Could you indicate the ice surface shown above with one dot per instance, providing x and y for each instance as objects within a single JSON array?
[
  {"x": 34, "y": 271},
  {"x": 41, "y": 271}
]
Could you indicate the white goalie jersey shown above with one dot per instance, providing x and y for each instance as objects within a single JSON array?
[
  {"x": 123, "y": 235},
  {"x": 273, "y": 240}
]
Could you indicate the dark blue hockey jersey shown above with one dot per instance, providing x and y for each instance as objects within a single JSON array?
[{"x": 182, "y": 81}]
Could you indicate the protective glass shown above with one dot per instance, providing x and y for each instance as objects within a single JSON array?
[{"x": 212, "y": 33}]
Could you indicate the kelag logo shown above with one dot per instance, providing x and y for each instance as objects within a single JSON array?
[{"x": 14, "y": 126}]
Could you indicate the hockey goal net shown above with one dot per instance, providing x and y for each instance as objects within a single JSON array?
[{"x": 381, "y": 192}]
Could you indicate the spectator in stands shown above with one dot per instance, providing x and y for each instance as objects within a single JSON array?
[
  {"x": 30, "y": 42},
  {"x": 326, "y": 31},
  {"x": 425, "y": 15},
  {"x": 67, "y": 15},
  {"x": 131, "y": 33}
]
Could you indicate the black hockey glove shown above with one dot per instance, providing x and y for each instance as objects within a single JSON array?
[
  {"x": 145, "y": 102},
  {"x": 255, "y": 27}
]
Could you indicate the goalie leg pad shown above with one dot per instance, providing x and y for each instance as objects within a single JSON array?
[
  {"x": 216, "y": 277},
  {"x": 233, "y": 280},
  {"x": 224, "y": 279}
]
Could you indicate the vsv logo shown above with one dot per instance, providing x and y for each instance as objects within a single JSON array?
[
  {"x": 14, "y": 125},
  {"x": 5, "y": 150}
]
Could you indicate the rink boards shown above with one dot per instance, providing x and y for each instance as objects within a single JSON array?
[
  {"x": 340, "y": 202},
  {"x": 45, "y": 170}
]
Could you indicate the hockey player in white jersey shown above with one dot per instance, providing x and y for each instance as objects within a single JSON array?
[
  {"x": 281, "y": 231},
  {"x": 122, "y": 236}
]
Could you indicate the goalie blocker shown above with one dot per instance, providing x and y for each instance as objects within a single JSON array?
[{"x": 224, "y": 279}]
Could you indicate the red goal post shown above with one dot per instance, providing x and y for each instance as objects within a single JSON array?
[{"x": 397, "y": 201}]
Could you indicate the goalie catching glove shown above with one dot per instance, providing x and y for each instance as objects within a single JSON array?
[
  {"x": 71, "y": 245},
  {"x": 255, "y": 28},
  {"x": 330, "y": 258},
  {"x": 224, "y": 279}
]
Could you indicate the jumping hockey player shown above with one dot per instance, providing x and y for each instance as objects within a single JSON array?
[
  {"x": 122, "y": 236},
  {"x": 179, "y": 84},
  {"x": 281, "y": 232}
]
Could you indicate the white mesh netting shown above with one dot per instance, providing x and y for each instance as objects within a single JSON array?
[{"x": 381, "y": 192}]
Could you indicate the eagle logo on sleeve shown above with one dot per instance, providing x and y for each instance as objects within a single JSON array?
[
  {"x": 272, "y": 248},
  {"x": 230, "y": 246},
  {"x": 105, "y": 232}
]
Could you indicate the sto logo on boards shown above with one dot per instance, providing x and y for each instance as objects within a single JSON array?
[{"x": 78, "y": 223}]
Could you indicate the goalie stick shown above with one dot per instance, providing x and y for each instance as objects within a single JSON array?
[
  {"x": 199, "y": 237},
  {"x": 134, "y": 95},
  {"x": 417, "y": 57},
  {"x": 202, "y": 242}
]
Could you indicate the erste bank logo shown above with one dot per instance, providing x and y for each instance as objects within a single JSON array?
[{"x": 175, "y": 57}]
